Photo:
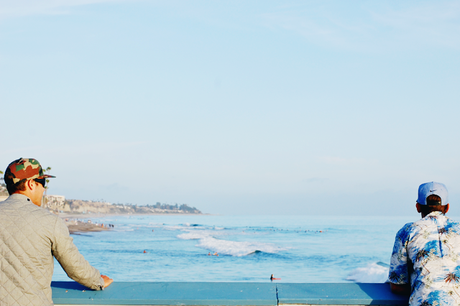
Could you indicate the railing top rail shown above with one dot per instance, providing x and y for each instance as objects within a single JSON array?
[{"x": 226, "y": 293}]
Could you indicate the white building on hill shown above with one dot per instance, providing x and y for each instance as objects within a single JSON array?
[{"x": 54, "y": 201}]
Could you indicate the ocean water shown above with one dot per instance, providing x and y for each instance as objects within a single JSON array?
[{"x": 250, "y": 248}]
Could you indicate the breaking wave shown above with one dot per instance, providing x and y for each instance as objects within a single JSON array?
[
  {"x": 372, "y": 273},
  {"x": 208, "y": 242}
]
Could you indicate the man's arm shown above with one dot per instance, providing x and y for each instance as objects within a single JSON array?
[
  {"x": 400, "y": 265},
  {"x": 400, "y": 289},
  {"x": 73, "y": 263}
]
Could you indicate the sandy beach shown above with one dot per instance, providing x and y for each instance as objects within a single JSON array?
[{"x": 77, "y": 226}]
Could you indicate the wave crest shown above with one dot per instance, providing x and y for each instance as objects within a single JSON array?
[
  {"x": 226, "y": 247},
  {"x": 372, "y": 273}
]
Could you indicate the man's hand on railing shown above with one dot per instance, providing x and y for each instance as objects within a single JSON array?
[{"x": 107, "y": 280}]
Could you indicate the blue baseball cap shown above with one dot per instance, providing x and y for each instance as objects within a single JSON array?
[{"x": 427, "y": 189}]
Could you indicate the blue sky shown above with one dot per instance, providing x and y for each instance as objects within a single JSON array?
[{"x": 235, "y": 107}]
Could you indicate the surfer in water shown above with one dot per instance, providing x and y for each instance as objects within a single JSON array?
[{"x": 273, "y": 278}]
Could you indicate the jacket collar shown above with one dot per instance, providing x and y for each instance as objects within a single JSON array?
[{"x": 18, "y": 196}]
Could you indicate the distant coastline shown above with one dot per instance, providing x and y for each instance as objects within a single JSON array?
[
  {"x": 58, "y": 204},
  {"x": 74, "y": 211}
]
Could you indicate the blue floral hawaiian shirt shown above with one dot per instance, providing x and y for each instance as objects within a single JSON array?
[{"x": 426, "y": 253}]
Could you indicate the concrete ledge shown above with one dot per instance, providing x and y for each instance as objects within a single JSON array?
[{"x": 178, "y": 293}]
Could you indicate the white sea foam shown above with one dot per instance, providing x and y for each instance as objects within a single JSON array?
[
  {"x": 124, "y": 229},
  {"x": 372, "y": 273},
  {"x": 156, "y": 224},
  {"x": 193, "y": 235},
  {"x": 173, "y": 227},
  {"x": 207, "y": 240},
  {"x": 194, "y": 225},
  {"x": 236, "y": 248}
]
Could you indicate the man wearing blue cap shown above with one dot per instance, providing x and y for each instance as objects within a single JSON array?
[{"x": 426, "y": 255}]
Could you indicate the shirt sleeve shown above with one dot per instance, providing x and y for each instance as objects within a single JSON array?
[
  {"x": 400, "y": 264},
  {"x": 70, "y": 259}
]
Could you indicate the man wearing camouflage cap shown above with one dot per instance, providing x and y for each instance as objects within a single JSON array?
[{"x": 29, "y": 238}]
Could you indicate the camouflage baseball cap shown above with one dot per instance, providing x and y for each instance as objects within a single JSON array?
[{"x": 24, "y": 169}]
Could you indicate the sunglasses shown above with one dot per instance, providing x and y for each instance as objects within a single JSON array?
[{"x": 42, "y": 181}]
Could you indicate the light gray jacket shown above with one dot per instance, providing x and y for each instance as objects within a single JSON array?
[{"x": 29, "y": 238}]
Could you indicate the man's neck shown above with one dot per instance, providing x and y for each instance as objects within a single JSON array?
[
  {"x": 424, "y": 215},
  {"x": 27, "y": 194}
]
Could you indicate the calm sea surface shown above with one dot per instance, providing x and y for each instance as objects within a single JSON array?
[{"x": 249, "y": 248}]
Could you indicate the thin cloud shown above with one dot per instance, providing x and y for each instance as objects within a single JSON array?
[
  {"x": 319, "y": 25},
  {"x": 100, "y": 147},
  {"x": 373, "y": 27},
  {"x": 432, "y": 24},
  {"x": 340, "y": 161},
  {"x": 51, "y": 7},
  {"x": 315, "y": 180},
  {"x": 74, "y": 149}
]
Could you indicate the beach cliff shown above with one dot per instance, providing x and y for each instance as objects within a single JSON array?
[{"x": 59, "y": 204}]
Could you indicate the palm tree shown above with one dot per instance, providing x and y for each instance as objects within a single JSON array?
[{"x": 47, "y": 170}]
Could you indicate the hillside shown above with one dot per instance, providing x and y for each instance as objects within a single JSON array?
[{"x": 84, "y": 207}]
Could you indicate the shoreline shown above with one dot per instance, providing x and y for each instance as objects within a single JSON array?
[
  {"x": 101, "y": 215},
  {"x": 76, "y": 226}
]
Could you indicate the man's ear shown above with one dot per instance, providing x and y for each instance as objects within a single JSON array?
[
  {"x": 31, "y": 185},
  {"x": 447, "y": 208},
  {"x": 418, "y": 207}
]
